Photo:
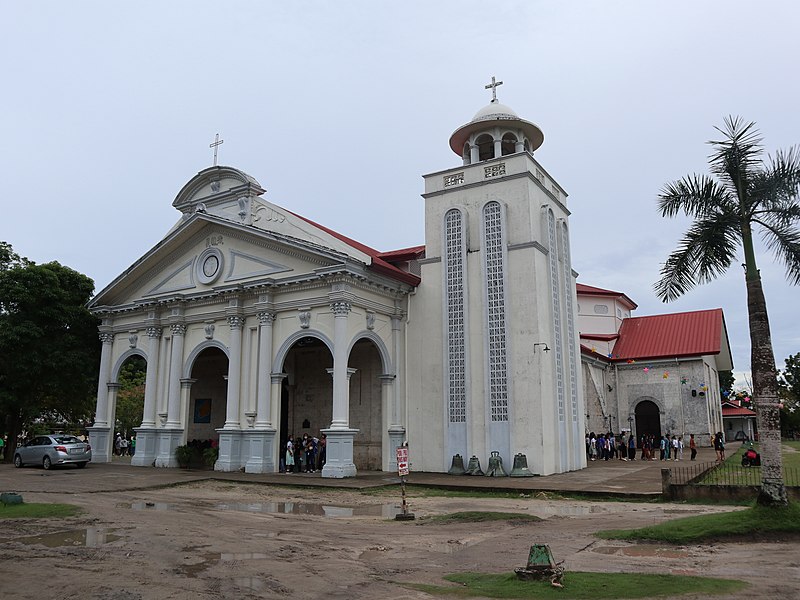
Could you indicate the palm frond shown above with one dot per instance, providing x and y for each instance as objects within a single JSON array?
[
  {"x": 736, "y": 156},
  {"x": 777, "y": 187},
  {"x": 783, "y": 239},
  {"x": 705, "y": 252},
  {"x": 696, "y": 196}
]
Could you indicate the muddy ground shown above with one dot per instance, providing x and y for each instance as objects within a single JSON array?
[{"x": 229, "y": 540}]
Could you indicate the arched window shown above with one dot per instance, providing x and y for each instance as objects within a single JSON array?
[
  {"x": 485, "y": 145},
  {"x": 509, "y": 144}
]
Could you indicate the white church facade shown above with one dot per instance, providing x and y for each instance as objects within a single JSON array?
[{"x": 257, "y": 323}]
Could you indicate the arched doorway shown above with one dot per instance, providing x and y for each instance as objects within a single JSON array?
[
  {"x": 366, "y": 410},
  {"x": 128, "y": 406},
  {"x": 208, "y": 397},
  {"x": 648, "y": 419}
]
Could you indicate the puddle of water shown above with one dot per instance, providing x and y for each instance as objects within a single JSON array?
[
  {"x": 150, "y": 506},
  {"x": 387, "y": 511},
  {"x": 229, "y": 556},
  {"x": 643, "y": 551},
  {"x": 91, "y": 537}
]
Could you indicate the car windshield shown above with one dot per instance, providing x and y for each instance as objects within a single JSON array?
[{"x": 67, "y": 439}]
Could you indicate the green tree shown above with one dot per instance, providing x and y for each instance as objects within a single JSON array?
[
  {"x": 130, "y": 397},
  {"x": 726, "y": 380},
  {"x": 789, "y": 381},
  {"x": 744, "y": 193},
  {"x": 49, "y": 349}
]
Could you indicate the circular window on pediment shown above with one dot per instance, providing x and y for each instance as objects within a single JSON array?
[{"x": 209, "y": 265}]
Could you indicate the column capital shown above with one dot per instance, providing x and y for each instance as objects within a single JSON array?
[
  {"x": 113, "y": 386},
  {"x": 236, "y": 321},
  {"x": 387, "y": 378},
  {"x": 107, "y": 337},
  {"x": 266, "y": 317},
  {"x": 341, "y": 309},
  {"x": 350, "y": 372},
  {"x": 278, "y": 377},
  {"x": 178, "y": 328},
  {"x": 154, "y": 332},
  {"x": 187, "y": 382}
]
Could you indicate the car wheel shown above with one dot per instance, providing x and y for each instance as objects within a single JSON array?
[
  {"x": 46, "y": 463},
  {"x": 17, "y": 461},
  {"x": 81, "y": 465}
]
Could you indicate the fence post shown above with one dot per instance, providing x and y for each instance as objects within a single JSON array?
[{"x": 666, "y": 483}]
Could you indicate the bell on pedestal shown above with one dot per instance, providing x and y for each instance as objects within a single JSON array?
[
  {"x": 474, "y": 467},
  {"x": 457, "y": 468},
  {"x": 521, "y": 466},
  {"x": 496, "y": 465}
]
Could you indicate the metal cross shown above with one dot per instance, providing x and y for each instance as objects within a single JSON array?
[
  {"x": 494, "y": 85},
  {"x": 217, "y": 142}
]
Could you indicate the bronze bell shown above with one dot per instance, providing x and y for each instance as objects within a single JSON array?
[
  {"x": 457, "y": 468},
  {"x": 474, "y": 467},
  {"x": 496, "y": 465},
  {"x": 521, "y": 466}
]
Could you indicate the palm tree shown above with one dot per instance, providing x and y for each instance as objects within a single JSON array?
[{"x": 744, "y": 193}]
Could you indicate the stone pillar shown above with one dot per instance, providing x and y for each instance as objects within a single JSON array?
[
  {"x": 151, "y": 378},
  {"x": 263, "y": 383},
  {"x": 498, "y": 147},
  {"x": 101, "y": 413},
  {"x": 236, "y": 323},
  {"x": 474, "y": 154},
  {"x": 519, "y": 146},
  {"x": 176, "y": 362},
  {"x": 339, "y": 450},
  {"x": 341, "y": 395}
]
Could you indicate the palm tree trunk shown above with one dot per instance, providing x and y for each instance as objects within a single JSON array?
[{"x": 765, "y": 392}]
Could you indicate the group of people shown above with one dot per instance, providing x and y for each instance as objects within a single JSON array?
[
  {"x": 304, "y": 454},
  {"x": 124, "y": 446},
  {"x": 608, "y": 446}
]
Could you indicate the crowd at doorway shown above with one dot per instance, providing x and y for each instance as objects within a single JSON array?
[
  {"x": 305, "y": 454},
  {"x": 124, "y": 445},
  {"x": 608, "y": 446}
]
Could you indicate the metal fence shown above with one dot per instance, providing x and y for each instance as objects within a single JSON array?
[{"x": 711, "y": 473}]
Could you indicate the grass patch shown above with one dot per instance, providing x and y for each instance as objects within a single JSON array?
[
  {"x": 38, "y": 511},
  {"x": 581, "y": 585},
  {"x": 754, "y": 522},
  {"x": 475, "y": 516}
]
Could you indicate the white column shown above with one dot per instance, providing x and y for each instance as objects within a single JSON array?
[
  {"x": 151, "y": 378},
  {"x": 186, "y": 390},
  {"x": 101, "y": 412},
  {"x": 341, "y": 392},
  {"x": 263, "y": 381},
  {"x": 113, "y": 388},
  {"x": 236, "y": 323},
  {"x": 175, "y": 364},
  {"x": 396, "y": 420},
  {"x": 498, "y": 147},
  {"x": 474, "y": 154}
]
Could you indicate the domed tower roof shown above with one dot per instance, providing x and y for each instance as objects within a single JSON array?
[{"x": 496, "y": 114}]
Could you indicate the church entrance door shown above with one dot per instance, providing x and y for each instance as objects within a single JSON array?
[
  {"x": 208, "y": 398},
  {"x": 648, "y": 419}
]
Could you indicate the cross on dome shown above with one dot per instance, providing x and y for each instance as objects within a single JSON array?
[
  {"x": 214, "y": 145},
  {"x": 493, "y": 86}
]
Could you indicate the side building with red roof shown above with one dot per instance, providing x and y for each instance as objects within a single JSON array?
[{"x": 651, "y": 375}]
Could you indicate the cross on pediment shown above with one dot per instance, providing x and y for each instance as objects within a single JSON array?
[
  {"x": 214, "y": 145},
  {"x": 493, "y": 87}
]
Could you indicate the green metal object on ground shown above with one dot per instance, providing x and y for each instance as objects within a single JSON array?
[{"x": 9, "y": 498}]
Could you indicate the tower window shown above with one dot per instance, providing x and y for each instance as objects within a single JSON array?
[
  {"x": 485, "y": 145},
  {"x": 509, "y": 145}
]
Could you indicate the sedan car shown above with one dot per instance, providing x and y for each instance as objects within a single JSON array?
[{"x": 51, "y": 450}]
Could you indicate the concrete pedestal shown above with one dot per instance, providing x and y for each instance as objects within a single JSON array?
[
  {"x": 230, "y": 450},
  {"x": 166, "y": 442},
  {"x": 259, "y": 445},
  {"x": 146, "y": 447},
  {"x": 339, "y": 453},
  {"x": 100, "y": 441}
]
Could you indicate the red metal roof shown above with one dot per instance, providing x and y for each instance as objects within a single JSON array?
[
  {"x": 670, "y": 336},
  {"x": 736, "y": 411},
  {"x": 599, "y": 337},
  {"x": 590, "y": 290},
  {"x": 378, "y": 263},
  {"x": 403, "y": 254}
]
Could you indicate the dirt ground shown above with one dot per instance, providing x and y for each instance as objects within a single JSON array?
[{"x": 229, "y": 540}]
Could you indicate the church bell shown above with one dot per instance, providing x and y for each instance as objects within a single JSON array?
[
  {"x": 457, "y": 467},
  {"x": 496, "y": 465},
  {"x": 521, "y": 466},
  {"x": 474, "y": 467}
]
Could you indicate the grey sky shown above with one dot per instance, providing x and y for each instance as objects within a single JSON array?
[{"x": 338, "y": 108}]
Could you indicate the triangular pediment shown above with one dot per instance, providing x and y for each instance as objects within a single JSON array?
[{"x": 205, "y": 254}]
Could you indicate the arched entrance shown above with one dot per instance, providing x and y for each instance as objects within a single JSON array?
[
  {"x": 648, "y": 419},
  {"x": 366, "y": 411},
  {"x": 208, "y": 397},
  {"x": 128, "y": 403}
]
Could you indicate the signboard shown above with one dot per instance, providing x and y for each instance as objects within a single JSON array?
[{"x": 402, "y": 461}]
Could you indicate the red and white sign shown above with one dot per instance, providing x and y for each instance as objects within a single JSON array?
[{"x": 402, "y": 461}]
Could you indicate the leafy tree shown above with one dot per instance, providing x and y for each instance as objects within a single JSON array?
[
  {"x": 130, "y": 397},
  {"x": 745, "y": 193},
  {"x": 789, "y": 381},
  {"x": 49, "y": 349},
  {"x": 726, "y": 380}
]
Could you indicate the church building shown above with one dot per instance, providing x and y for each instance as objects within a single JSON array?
[{"x": 257, "y": 323}]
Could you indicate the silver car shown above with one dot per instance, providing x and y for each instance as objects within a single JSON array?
[{"x": 51, "y": 450}]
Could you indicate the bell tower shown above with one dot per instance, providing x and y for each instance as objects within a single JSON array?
[{"x": 499, "y": 284}]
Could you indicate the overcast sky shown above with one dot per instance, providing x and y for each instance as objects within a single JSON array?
[{"x": 338, "y": 108}]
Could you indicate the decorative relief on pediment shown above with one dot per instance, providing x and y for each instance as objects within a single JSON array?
[
  {"x": 209, "y": 329},
  {"x": 245, "y": 266},
  {"x": 266, "y": 214},
  {"x": 133, "y": 339},
  {"x": 180, "y": 278},
  {"x": 370, "y": 320},
  {"x": 305, "y": 319}
]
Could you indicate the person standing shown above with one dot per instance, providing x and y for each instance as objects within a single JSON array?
[
  {"x": 692, "y": 446},
  {"x": 2, "y": 448},
  {"x": 289, "y": 455},
  {"x": 631, "y": 447},
  {"x": 675, "y": 445}
]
